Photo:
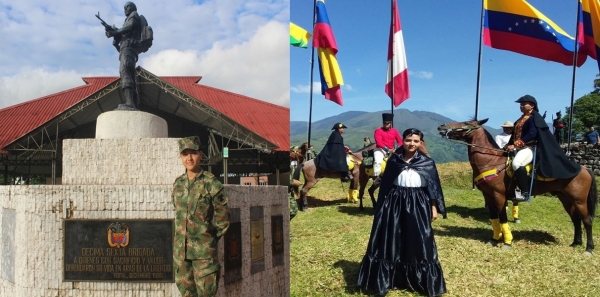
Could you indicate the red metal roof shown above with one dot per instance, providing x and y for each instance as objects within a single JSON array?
[
  {"x": 265, "y": 119},
  {"x": 20, "y": 119}
]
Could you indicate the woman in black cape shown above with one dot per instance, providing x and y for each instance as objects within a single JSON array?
[{"x": 402, "y": 253}]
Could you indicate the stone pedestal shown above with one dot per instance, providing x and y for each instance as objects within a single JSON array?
[{"x": 130, "y": 124}]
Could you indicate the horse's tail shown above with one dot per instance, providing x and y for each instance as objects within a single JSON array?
[
  {"x": 592, "y": 199},
  {"x": 296, "y": 180}
]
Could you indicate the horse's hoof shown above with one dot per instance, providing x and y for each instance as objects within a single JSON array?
[
  {"x": 507, "y": 246},
  {"x": 492, "y": 242},
  {"x": 587, "y": 253},
  {"x": 574, "y": 244},
  {"x": 517, "y": 221}
]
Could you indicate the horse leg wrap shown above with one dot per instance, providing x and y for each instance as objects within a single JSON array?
[
  {"x": 496, "y": 229},
  {"x": 508, "y": 238},
  {"x": 515, "y": 212},
  {"x": 352, "y": 195}
]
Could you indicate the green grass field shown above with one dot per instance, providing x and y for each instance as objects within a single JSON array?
[{"x": 330, "y": 239}]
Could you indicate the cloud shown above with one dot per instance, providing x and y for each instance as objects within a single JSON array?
[
  {"x": 34, "y": 83},
  {"x": 305, "y": 89},
  {"x": 421, "y": 74},
  {"x": 236, "y": 45},
  {"x": 252, "y": 68}
]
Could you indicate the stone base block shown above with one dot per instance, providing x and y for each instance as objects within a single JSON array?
[{"x": 130, "y": 124}]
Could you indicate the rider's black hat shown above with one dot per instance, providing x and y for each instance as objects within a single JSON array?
[
  {"x": 387, "y": 117},
  {"x": 338, "y": 126},
  {"x": 529, "y": 98}
]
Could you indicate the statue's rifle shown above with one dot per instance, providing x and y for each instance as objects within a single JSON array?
[{"x": 108, "y": 28}]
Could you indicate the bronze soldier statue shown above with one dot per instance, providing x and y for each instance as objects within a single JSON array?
[{"x": 127, "y": 42}]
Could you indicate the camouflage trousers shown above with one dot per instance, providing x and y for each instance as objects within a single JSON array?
[
  {"x": 293, "y": 206},
  {"x": 192, "y": 281}
]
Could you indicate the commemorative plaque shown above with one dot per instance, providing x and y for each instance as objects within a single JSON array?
[
  {"x": 233, "y": 248},
  {"x": 277, "y": 239},
  {"x": 118, "y": 250}
]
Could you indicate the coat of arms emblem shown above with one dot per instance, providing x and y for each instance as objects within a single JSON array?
[{"x": 118, "y": 235}]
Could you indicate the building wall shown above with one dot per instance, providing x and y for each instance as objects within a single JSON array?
[
  {"x": 32, "y": 252},
  {"x": 126, "y": 179},
  {"x": 148, "y": 161},
  {"x": 587, "y": 155}
]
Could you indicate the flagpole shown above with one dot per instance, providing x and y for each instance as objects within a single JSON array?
[
  {"x": 479, "y": 61},
  {"x": 573, "y": 78},
  {"x": 479, "y": 69},
  {"x": 392, "y": 61},
  {"x": 312, "y": 63}
]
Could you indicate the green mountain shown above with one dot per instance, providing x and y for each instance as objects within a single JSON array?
[{"x": 362, "y": 124}]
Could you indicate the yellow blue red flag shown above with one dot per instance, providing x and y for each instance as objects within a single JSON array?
[
  {"x": 329, "y": 70},
  {"x": 590, "y": 24},
  {"x": 517, "y": 26}
]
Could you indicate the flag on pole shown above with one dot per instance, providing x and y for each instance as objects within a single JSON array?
[
  {"x": 298, "y": 36},
  {"x": 329, "y": 70},
  {"x": 517, "y": 26},
  {"x": 397, "y": 82},
  {"x": 590, "y": 21}
]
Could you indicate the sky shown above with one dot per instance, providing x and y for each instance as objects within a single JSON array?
[
  {"x": 442, "y": 51},
  {"x": 236, "y": 45}
]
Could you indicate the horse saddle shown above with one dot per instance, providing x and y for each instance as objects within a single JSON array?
[
  {"x": 369, "y": 170},
  {"x": 368, "y": 159},
  {"x": 511, "y": 172},
  {"x": 351, "y": 160}
]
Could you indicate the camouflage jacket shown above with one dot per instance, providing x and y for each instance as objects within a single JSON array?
[{"x": 201, "y": 217}]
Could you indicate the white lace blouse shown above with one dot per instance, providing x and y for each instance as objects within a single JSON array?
[{"x": 410, "y": 178}]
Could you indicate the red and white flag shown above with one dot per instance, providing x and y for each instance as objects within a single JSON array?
[{"x": 397, "y": 67}]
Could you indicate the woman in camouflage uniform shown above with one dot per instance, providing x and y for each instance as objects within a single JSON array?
[{"x": 201, "y": 218}]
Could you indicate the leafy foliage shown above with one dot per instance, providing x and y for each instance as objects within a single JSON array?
[{"x": 586, "y": 111}]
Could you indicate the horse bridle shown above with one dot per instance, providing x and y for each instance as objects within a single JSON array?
[{"x": 470, "y": 129}]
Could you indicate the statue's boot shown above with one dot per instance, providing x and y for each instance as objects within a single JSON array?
[{"x": 130, "y": 99}]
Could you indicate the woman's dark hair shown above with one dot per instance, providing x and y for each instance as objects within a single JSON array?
[{"x": 412, "y": 131}]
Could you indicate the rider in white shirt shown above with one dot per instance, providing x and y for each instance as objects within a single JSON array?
[{"x": 503, "y": 138}]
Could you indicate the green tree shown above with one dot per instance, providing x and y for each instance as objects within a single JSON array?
[{"x": 586, "y": 111}]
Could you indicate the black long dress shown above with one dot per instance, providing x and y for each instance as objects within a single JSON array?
[{"x": 402, "y": 253}]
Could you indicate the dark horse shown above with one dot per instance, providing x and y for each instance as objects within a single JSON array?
[
  {"x": 300, "y": 154},
  {"x": 578, "y": 195},
  {"x": 312, "y": 174}
]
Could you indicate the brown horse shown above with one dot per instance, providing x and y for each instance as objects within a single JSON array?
[
  {"x": 300, "y": 154},
  {"x": 312, "y": 175},
  {"x": 578, "y": 195}
]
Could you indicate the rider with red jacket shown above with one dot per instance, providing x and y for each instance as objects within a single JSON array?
[{"x": 385, "y": 137}]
